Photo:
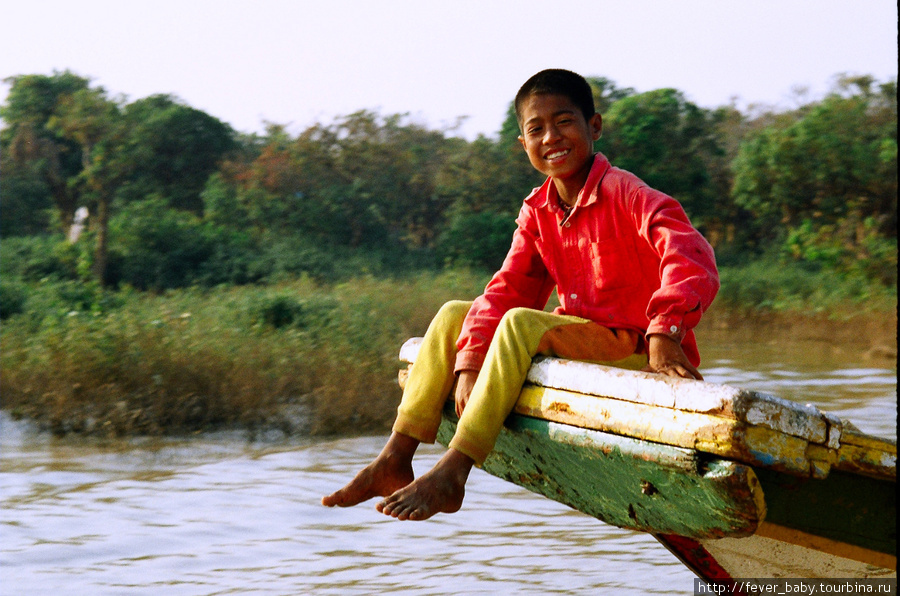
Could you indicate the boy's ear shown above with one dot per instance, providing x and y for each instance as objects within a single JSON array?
[
  {"x": 521, "y": 141},
  {"x": 596, "y": 126}
]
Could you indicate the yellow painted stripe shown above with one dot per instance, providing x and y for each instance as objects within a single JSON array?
[
  {"x": 827, "y": 545},
  {"x": 703, "y": 432},
  {"x": 852, "y": 437},
  {"x": 864, "y": 460}
]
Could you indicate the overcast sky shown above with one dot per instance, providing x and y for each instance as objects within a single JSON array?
[{"x": 297, "y": 62}]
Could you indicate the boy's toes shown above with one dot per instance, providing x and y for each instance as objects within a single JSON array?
[
  {"x": 404, "y": 513},
  {"x": 386, "y": 506}
]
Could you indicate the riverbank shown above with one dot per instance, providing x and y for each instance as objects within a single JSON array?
[
  {"x": 871, "y": 336},
  {"x": 297, "y": 358}
]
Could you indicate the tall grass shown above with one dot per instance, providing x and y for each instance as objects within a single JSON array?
[{"x": 299, "y": 356}]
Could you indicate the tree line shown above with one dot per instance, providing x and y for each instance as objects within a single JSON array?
[{"x": 176, "y": 197}]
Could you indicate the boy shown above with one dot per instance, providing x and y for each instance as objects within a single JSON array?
[{"x": 633, "y": 278}]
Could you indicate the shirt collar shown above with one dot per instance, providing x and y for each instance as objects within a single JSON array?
[{"x": 545, "y": 195}]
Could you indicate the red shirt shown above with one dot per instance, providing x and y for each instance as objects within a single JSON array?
[{"x": 626, "y": 257}]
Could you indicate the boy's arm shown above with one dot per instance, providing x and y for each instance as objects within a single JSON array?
[
  {"x": 689, "y": 279},
  {"x": 522, "y": 281}
]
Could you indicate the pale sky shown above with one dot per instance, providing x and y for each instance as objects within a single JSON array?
[{"x": 297, "y": 62}]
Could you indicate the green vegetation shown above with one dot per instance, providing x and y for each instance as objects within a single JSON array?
[
  {"x": 297, "y": 356},
  {"x": 267, "y": 281},
  {"x": 771, "y": 287},
  {"x": 177, "y": 198}
]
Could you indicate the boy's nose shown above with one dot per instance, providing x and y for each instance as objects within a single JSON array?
[{"x": 551, "y": 135}]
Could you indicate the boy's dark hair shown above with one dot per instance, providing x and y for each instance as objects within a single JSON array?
[{"x": 556, "y": 81}]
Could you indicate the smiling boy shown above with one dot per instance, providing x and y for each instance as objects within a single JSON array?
[{"x": 633, "y": 278}]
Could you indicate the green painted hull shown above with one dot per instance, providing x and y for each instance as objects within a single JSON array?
[
  {"x": 623, "y": 481},
  {"x": 661, "y": 489}
]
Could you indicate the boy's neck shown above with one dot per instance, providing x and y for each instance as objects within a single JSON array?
[
  {"x": 568, "y": 188},
  {"x": 567, "y": 195}
]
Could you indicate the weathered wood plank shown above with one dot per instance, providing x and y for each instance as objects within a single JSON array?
[
  {"x": 866, "y": 460},
  {"x": 760, "y": 409},
  {"x": 757, "y": 408},
  {"x": 625, "y": 482},
  {"x": 720, "y": 436}
]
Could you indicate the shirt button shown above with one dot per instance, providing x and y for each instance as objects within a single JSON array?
[
  {"x": 573, "y": 296},
  {"x": 673, "y": 329},
  {"x": 567, "y": 225}
]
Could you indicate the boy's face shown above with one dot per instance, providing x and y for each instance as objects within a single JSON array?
[{"x": 558, "y": 140}]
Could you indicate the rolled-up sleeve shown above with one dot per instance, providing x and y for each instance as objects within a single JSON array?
[{"x": 688, "y": 276}]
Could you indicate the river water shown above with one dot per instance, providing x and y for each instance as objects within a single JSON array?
[{"x": 216, "y": 514}]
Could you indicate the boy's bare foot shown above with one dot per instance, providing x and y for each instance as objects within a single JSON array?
[
  {"x": 389, "y": 472},
  {"x": 440, "y": 490}
]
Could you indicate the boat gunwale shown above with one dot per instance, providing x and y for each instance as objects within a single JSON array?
[{"x": 762, "y": 429}]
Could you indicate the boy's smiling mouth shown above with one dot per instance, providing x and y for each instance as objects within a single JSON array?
[{"x": 556, "y": 155}]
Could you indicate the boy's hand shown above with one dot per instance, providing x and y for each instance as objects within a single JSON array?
[
  {"x": 464, "y": 389},
  {"x": 667, "y": 358}
]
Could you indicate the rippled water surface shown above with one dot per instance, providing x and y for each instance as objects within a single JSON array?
[{"x": 219, "y": 515}]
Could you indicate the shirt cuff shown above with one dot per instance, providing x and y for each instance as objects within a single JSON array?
[
  {"x": 671, "y": 327},
  {"x": 468, "y": 360}
]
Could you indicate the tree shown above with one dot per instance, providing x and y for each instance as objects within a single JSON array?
[
  {"x": 362, "y": 180},
  {"x": 824, "y": 187},
  {"x": 606, "y": 93},
  {"x": 183, "y": 147},
  {"x": 38, "y": 152},
  {"x": 26, "y": 197},
  {"x": 837, "y": 159},
  {"x": 95, "y": 122},
  {"x": 667, "y": 141}
]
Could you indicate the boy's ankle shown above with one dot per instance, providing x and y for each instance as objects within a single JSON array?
[{"x": 400, "y": 445}]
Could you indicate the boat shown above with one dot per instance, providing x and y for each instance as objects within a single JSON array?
[{"x": 735, "y": 483}]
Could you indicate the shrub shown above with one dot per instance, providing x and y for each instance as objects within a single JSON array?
[
  {"x": 287, "y": 310},
  {"x": 34, "y": 258},
  {"x": 477, "y": 239},
  {"x": 12, "y": 298},
  {"x": 853, "y": 247},
  {"x": 154, "y": 247},
  {"x": 774, "y": 285},
  {"x": 286, "y": 257}
]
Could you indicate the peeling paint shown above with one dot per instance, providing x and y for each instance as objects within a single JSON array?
[
  {"x": 602, "y": 474},
  {"x": 647, "y": 488}
]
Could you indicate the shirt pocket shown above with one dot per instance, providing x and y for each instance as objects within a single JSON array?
[{"x": 614, "y": 264}]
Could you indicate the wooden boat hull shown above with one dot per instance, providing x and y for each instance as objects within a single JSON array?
[{"x": 736, "y": 484}]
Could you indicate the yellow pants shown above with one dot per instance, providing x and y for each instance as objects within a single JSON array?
[{"x": 522, "y": 334}]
